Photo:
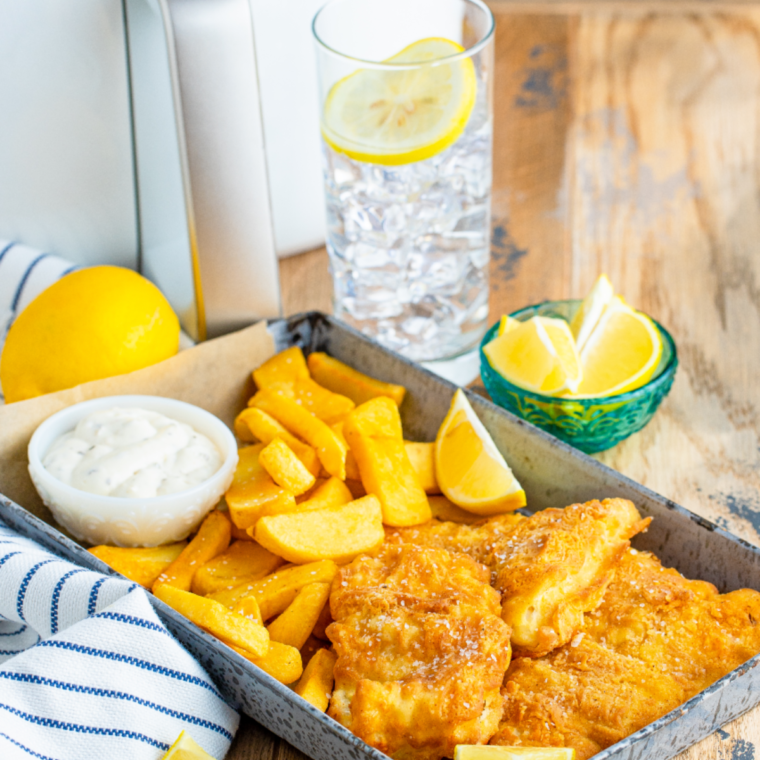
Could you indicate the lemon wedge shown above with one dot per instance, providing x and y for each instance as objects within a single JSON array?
[
  {"x": 470, "y": 470},
  {"x": 622, "y": 352},
  {"x": 185, "y": 748},
  {"x": 590, "y": 311},
  {"x": 393, "y": 117},
  {"x": 486, "y": 752},
  {"x": 538, "y": 355},
  {"x": 507, "y": 324}
]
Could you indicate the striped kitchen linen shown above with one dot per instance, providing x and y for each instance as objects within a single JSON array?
[{"x": 87, "y": 670}]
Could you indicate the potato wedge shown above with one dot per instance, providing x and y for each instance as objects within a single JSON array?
[
  {"x": 316, "y": 683},
  {"x": 253, "y": 424},
  {"x": 248, "y": 607},
  {"x": 340, "y": 378},
  {"x": 142, "y": 566},
  {"x": 443, "y": 509},
  {"x": 275, "y": 592},
  {"x": 253, "y": 492},
  {"x": 282, "y": 662},
  {"x": 217, "y": 619},
  {"x": 243, "y": 562},
  {"x": 295, "y": 625},
  {"x": 285, "y": 468},
  {"x": 282, "y": 369},
  {"x": 299, "y": 421},
  {"x": 352, "y": 469},
  {"x": 422, "y": 457},
  {"x": 373, "y": 432},
  {"x": 338, "y": 533},
  {"x": 331, "y": 493},
  {"x": 328, "y": 406},
  {"x": 212, "y": 538}
]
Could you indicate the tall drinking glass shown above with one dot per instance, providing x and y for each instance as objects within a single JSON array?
[{"x": 406, "y": 120}]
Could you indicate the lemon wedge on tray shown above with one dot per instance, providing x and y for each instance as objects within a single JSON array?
[
  {"x": 185, "y": 748},
  {"x": 538, "y": 355},
  {"x": 470, "y": 470},
  {"x": 397, "y": 116},
  {"x": 487, "y": 752}
]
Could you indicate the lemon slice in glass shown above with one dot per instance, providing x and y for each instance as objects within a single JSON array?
[
  {"x": 538, "y": 355},
  {"x": 481, "y": 752},
  {"x": 400, "y": 115},
  {"x": 622, "y": 352},
  {"x": 185, "y": 748},
  {"x": 470, "y": 470}
]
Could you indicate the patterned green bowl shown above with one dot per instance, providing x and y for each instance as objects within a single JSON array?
[{"x": 593, "y": 424}]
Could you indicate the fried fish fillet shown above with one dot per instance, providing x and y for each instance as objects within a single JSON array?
[
  {"x": 655, "y": 641},
  {"x": 550, "y": 568},
  {"x": 585, "y": 697},
  {"x": 476, "y": 540},
  {"x": 674, "y": 625},
  {"x": 421, "y": 650}
]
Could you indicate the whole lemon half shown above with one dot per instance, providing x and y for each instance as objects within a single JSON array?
[{"x": 90, "y": 324}]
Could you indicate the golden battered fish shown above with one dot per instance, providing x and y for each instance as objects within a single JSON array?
[
  {"x": 421, "y": 650},
  {"x": 550, "y": 568},
  {"x": 655, "y": 641}
]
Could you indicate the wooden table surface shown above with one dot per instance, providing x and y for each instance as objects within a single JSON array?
[{"x": 627, "y": 141}]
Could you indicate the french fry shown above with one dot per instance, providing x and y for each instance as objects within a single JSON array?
[
  {"x": 212, "y": 538},
  {"x": 239, "y": 534},
  {"x": 352, "y": 469},
  {"x": 316, "y": 683},
  {"x": 282, "y": 662},
  {"x": 373, "y": 431},
  {"x": 331, "y": 493},
  {"x": 257, "y": 425},
  {"x": 282, "y": 369},
  {"x": 299, "y": 421},
  {"x": 243, "y": 562},
  {"x": 328, "y": 406},
  {"x": 275, "y": 592},
  {"x": 249, "y": 607},
  {"x": 324, "y": 619},
  {"x": 310, "y": 648},
  {"x": 338, "y": 533},
  {"x": 340, "y": 378},
  {"x": 253, "y": 492},
  {"x": 443, "y": 509},
  {"x": 142, "y": 566},
  {"x": 422, "y": 457},
  {"x": 285, "y": 468},
  {"x": 295, "y": 625},
  {"x": 217, "y": 619}
]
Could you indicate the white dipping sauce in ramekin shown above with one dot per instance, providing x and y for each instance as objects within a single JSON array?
[{"x": 132, "y": 453}]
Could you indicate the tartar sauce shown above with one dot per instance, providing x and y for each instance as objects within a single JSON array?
[{"x": 133, "y": 453}]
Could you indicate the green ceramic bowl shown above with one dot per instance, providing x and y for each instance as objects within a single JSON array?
[{"x": 593, "y": 424}]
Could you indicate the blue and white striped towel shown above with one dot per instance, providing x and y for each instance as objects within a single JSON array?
[
  {"x": 87, "y": 670},
  {"x": 24, "y": 273}
]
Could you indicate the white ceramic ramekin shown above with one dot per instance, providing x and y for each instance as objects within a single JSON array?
[{"x": 131, "y": 522}]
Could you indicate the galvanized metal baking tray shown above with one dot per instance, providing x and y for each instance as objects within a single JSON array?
[{"x": 554, "y": 475}]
